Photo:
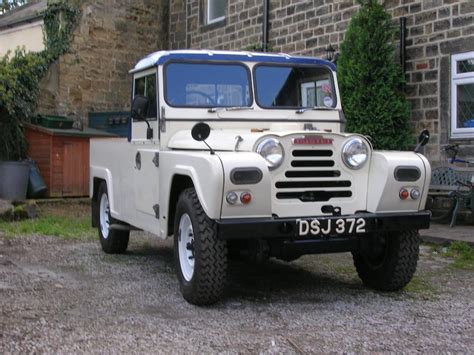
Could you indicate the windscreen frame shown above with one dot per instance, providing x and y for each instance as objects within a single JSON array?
[
  {"x": 207, "y": 62},
  {"x": 293, "y": 65}
]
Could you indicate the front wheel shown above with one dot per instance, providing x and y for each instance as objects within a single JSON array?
[
  {"x": 112, "y": 241},
  {"x": 387, "y": 261},
  {"x": 200, "y": 257}
]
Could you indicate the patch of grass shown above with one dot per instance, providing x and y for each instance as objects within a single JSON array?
[
  {"x": 461, "y": 252},
  {"x": 463, "y": 255},
  {"x": 63, "y": 227},
  {"x": 421, "y": 287}
]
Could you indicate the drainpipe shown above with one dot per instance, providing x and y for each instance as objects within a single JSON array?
[
  {"x": 266, "y": 5},
  {"x": 403, "y": 35}
]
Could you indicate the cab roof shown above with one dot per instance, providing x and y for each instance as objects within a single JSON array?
[{"x": 161, "y": 57}]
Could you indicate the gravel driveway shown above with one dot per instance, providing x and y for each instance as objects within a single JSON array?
[{"x": 58, "y": 296}]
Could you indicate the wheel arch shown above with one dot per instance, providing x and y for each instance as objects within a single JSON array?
[
  {"x": 96, "y": 182},
  {"x": 179, "y": 183}
]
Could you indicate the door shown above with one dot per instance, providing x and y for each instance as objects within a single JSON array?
[
  {"x": 147, "y": 177},
  {"x": 75, "y": 170},
  {"x": 147, "y": 172}
]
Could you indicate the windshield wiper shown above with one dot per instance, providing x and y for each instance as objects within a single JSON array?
[
  {"x": 314, "y": 108},
  {"x": 231, "y": 108}
]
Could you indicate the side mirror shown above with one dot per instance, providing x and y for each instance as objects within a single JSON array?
[
  {"x": 139, "y": 107},
  {"x": 423, "y": 139},
  {"x": 200, "y": 131}
]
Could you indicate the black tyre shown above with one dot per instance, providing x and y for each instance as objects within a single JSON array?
[
  {"x": 387, "y": 262},
  {"x": 112, "y": 241},
  {"x": 200, "y": 257}
]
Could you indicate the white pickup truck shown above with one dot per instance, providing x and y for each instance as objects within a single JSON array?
[{"x": 232, "y": 151}]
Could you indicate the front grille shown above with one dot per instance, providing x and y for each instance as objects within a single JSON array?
[{"x": 312, "y": 176}]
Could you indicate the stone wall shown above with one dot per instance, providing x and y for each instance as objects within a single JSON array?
[
  {"x": 435, "y": 30},
  {"x": 112, "y": 35}
]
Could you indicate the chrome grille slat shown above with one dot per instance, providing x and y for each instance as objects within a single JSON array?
[
  {"x": 312, "y": 175},
  {"x": 312, "y": 153},
  {"x": 313, "y": 183},
  {"x": 312, "y": 163},
  {"x": 314, "y": 196}
]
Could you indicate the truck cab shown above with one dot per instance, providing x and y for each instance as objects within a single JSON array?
[{"x": 240, "y": 150}]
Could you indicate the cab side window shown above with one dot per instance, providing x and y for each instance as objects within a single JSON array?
[{"x": 146, "y": 86}]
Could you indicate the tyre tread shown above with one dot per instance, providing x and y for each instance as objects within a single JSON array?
[
  {"x": 210, "y": 278},
  {"x": 399, "y": 269},
  {"x": 117, "y": 241}
]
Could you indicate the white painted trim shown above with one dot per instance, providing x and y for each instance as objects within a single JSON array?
[
  {"x": 459, "y": 79},
  {"x": 34, "y": 24},
  {"x": 208, "y": 13},
  {"x": 153, "y": 120}
]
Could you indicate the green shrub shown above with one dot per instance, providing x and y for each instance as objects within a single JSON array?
[
  {"x": 19, "y": 88},
  {"x": 371, "y": 81},
  {"x": 20, "y": 75}
]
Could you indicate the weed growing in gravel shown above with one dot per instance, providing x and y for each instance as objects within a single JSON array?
[
  {"x": 463, "y": 255},
  {"x": 421, "y": 287},
  {"x": 461, "y": 252},
  {"x": 63, "y": 227}
]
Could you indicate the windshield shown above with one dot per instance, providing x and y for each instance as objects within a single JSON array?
[
  {"x": 294, "y": 87},
  {"x": 207, "y": 85}
]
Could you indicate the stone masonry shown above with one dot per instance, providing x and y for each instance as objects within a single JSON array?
[
  {"x": 435, "y": 30},
  {"x": 112, "y": 35}
]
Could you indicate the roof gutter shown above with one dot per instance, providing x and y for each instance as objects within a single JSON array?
[{"x": 25, "y": 20}]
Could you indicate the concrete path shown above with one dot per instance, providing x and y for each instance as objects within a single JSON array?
[{"x": 442, "y": 234}]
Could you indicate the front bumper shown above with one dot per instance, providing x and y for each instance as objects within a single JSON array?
[{"x": 277, "y": 228}]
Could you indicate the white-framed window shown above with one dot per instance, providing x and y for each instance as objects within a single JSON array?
[
  {"x": 462, "y": 97},
  {"x": 145, "y": 84},
  {"x": 316, "y": 93},
  {"x": 215, "y": 10}
]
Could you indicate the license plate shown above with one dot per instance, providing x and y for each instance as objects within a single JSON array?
[{"x": 315, "y": 227}]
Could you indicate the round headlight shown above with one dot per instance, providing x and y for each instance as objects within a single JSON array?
[
  {"x": 272, "y": 150},
  {"x": 355, "y": 153}
]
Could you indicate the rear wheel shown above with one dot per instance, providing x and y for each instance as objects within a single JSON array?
[
  {"x": 388, "y": 261},
  {"x": 112, "y": 241},
  {"x": 200, "y": 257}
]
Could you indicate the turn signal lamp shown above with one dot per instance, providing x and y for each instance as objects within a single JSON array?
[
  {"x": 231, "y": 198},
  {"x": 245, "y": 198},
  {"x": 415, "y": 194},
  {"x": 404, "y": 194}
]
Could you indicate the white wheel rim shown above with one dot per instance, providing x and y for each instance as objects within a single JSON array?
[
  {"x": 104, "y": 216},
  {"x": 186, "y": 247}
]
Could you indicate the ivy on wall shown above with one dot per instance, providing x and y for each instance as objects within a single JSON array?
[
  {"x": 20, "y": 75},
  {"x": 59, "y": 22}
]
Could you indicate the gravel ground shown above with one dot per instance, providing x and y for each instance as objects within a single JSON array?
[{"x": 59, "y": 296}]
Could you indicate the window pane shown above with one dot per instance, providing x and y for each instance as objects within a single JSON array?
[
  {"x": 466, "y": 66},
  {"x": 294, "y": 87},
  {"x": 140, "y": 86},
  {"x": 216, "y": 9},
  {"x": 465, "y": 109},
  {"x": 151, "y": 94},
  {"x": 207, "y": 85}
]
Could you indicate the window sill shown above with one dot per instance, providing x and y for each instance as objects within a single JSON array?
[
  {"x": 214, "y": 25},
  {"x": 462, "y": 135}
]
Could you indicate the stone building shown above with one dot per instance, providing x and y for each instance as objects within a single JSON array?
[
  {"x": 439, "y": 48},
  {"x": 111, "y": 36}
]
